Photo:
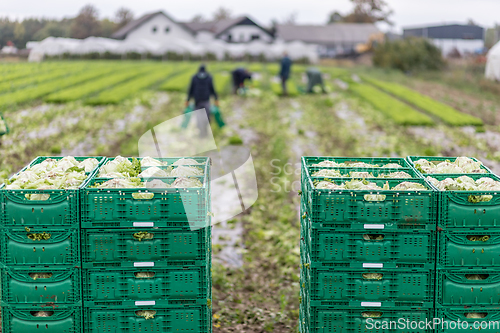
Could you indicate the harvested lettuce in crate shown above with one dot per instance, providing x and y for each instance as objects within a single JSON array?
[
  {"x": 183, "y": 182},
  {"x": 478, "y": 238},
  {"x": 465, "y": 183},
  {"x": 373, "y": 276},
  {"x": 42, "y": 313},
  {"x": 51, "y": 174},
  {"x": 329, "y": 163},
  {"x": 35, "y": 276},
  {"x": 186, "y": 161},
  {"x": 475, "y": 315},
  {"x": 120, "y": 167},
  {"x": 460, "y": 165},
  {"x": 186, "y": 171},
  {"x": 151, "y": 162},
  {"x": 154, "y": 172},
  {"x": 144, "y": 275}
]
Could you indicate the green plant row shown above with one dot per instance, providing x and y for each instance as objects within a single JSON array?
[
  {"x": 40, "y": 78},
  {"x": 88, "y": 88},
  {"x": 31, "y": 93},
  {"x": 179, "y": 82},
  {"x": 292, "y": 88},
  {"x": 221, "y": 82},
  {"x": 445, "y": 112},
  {"x": 393, "y": 108},
  {"x": 127, "y": 89}
]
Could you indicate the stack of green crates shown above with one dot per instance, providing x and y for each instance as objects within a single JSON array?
[
  {"x": 468, "y": 256},
  {"x": 365, "y": 263},
  {"x": 146, "y": 257},
  {"x": 40, "y": 259}
]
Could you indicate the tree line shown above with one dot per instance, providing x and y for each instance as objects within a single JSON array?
[{"x": 87, "y": 22}]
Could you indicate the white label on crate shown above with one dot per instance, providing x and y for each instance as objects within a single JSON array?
[
  {"x": 144, "y": 264},
  {"x": 144, "y": 224},
  {"x": 371, "y": 304},
  {"x": 374, "y": 226},
  {"x": 368, "y": 265},
  {"x": 139, "y": 303}
]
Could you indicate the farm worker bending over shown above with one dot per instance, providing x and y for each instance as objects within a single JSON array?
[
  {"x": 239, "y": 77},
  {"x": 202, "y": 87},
  {"x": 314, "y": 78},
  {"x": 286, "y": 66}
]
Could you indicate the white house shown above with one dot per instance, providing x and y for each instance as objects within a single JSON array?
[
  {"x": 238, "y": 30},
  {"x": 157, "y": 27}
]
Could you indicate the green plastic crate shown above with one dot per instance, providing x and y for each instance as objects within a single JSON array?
[
  {"x": 337, "y": 206},
  {"x": 334, "y": 319},
  {"x": 456, "y": 212},
  {"x": 62, "y": 248},
  {"x": 181, "y": 285},
  {"x": 459, "y": 250},
  {"x": 439, "y": 159},
  {"x": 374, "y": 172},
  {"x": 62, "y": 288},
  {"x": 351, "y": 288},
  {"x": 352, "y": 249},
  {"x": 449, "y": 317},
  {"x": 60, "y": 209},
  {"x": 171, "y": 207},
  {"x": 380, "y": 161},
  {"x": 168, "y": 246},
  {"x": 185, "y": 319},
  {"x": 25, "y": 320},
  {"x": 456, "y": 288}
]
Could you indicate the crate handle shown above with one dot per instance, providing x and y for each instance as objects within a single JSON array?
[
  {"x": 40, "y": 197},
  {"x": 477, "y": 276},
  {"x": 475, "y": 315},
  {"x": 373, "y": 276},
  {"x": 374, "y": 197},
  {"x": 143, "y": 196},
  {"x": 42, "y": 313},
  {"x": 478, "y": 238},
  {"x": 43, "y": 275},
  {"x": 371, "y": 314},
  {"x": 54, "y": 198},
  {"x": 148, "y": 314},
  {"x": 144, "y": 275},
  {"x": 373, "y": 237},
  {"x": 143, "y": 236}
]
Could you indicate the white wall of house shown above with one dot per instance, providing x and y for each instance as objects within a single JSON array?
[
  {"x": 159, "y": 29},
  {"x": 244, "y": 34},
  {"x": 204, "y": 36},
  {"x": 463, "y": 46}
]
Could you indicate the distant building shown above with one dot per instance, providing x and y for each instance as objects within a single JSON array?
[
  {"x": 465, "y": 38},
  {"x": 238, "y": 30},
  {"x": 157, "y": 27},
  {"x": 333, "y": 40}
]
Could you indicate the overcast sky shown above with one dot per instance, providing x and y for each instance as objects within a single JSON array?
[{"x": 406, "y": 12}]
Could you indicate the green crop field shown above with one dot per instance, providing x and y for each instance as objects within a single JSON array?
[{"x": 102, "y": 108}]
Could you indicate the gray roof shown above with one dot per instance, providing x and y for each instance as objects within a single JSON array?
[
  {"x": 447, "y": 31},
  {"x": 328, "y": 34},
  {"x": 218, "y": 27},
  {"x": 125, "y": 30}
]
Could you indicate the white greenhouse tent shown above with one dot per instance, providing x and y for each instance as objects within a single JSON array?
[
  {"x": 96, "y": 44},
  {"x": 493, "y": 63}
]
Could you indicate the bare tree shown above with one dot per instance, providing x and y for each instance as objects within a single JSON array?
[
  {"x": 86, "y": 23},
  {"x": 123, "y": 16},
  {"x": 198, "y": 18},
  {"x": 369, "y": 11},
  {"x": 335, "y": 17},
  {"x": 290, "y": 19},
  {"x": 222, "y": 14}
]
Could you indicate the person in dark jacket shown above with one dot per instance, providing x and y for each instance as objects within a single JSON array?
[
  {"x": 239, "y": 77},
  {"x": 201, "y": 88},
  {"x": 286, "y": 66}
]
